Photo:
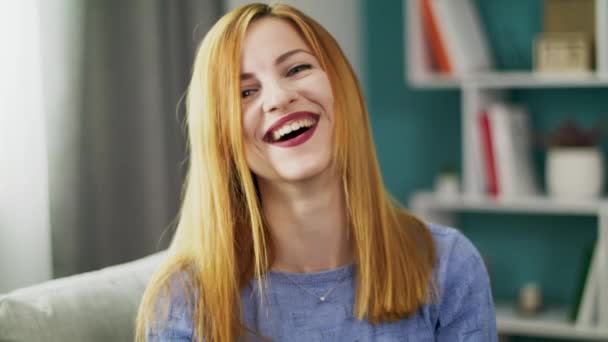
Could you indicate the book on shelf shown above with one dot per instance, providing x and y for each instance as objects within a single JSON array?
[
  {"x": 578, "y": 309},
  {"x": 587, "y": 310},
  {"x": 475, "y": 181},
  {"x": 439, "y": 58},
  {"x": 506, "y": 146},
  {"x": 460, "y": 29},
  {"x": 489, "y": 160},
  {"x": 601, "y": 61}
]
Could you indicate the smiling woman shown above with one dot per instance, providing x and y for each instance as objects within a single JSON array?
[{"x": 286, "y": 232}]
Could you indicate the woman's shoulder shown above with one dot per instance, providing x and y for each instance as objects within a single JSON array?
[
  {"x": 465, "y": 304},
  {"x": 453, "y": 248},
  {"x": 459, "y": 263}
]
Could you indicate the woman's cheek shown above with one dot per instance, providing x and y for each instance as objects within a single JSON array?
[
  {"x": 323, "y": 86},
  {"x": 248, "y": 125}
]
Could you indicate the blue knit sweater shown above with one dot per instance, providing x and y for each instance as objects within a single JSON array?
[{"x": 293, "y": 312}]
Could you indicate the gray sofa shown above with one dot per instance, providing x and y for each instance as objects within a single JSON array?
[{"x": 93, "y": 306}]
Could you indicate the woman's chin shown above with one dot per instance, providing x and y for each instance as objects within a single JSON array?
[{"x": 300, "y": 172}]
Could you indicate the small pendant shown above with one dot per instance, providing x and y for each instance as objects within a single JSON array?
[{"x": 322, "y": 298}]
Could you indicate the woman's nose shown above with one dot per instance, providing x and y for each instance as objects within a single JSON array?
[{"x": 278, "y": 97}]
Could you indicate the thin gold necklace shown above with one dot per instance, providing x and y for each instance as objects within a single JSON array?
[{"x": 327, "y": 293}]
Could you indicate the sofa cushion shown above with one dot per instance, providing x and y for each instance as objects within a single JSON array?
[{"x": 94, "y": 306}]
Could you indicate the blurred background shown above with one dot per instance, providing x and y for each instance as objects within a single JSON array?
[{"x": 92, "y": 151}]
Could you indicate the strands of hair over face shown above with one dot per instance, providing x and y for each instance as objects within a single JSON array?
[{"x": 222, "y": 242}]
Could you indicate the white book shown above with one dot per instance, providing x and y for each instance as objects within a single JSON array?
[
  {"x": 601, "y": 36},
  {"x": 526, "y": 183},
  {"x": 419, "y": 66},
  {"x": 474, "y": 171},
  {"x": 587, "y": 313},
  {"x": 465, "y": 38},
  {"x": 512, "y": 147},
  {"x": 602, "y": 290}
]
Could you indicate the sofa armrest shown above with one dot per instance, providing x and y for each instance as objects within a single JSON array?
[{"x": 94, "y": 306}]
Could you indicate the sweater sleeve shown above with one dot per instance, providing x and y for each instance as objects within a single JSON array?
[{"x": 466, "y": 309}]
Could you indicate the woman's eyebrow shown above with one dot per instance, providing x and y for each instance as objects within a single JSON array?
[
  {"x": 288, "y": 54},
  {"x": 279, "y": 60}
]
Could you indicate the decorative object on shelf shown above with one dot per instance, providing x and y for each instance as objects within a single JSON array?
[
  {"x": 570, "y": 16},
  {"x": 563, "y": 53},
  {"x": 567, "y": 41},
  {"x": 447, "y": 183},
  {"x": 575, "y": 163},
  {"x": 530, "y": 299}
]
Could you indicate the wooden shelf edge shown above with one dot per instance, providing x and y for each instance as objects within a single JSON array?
[
  {"x": 532, "y": 204},
  {"x": 512, "y": 79}
]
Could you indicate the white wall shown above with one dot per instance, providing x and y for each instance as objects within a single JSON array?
[
  {"x": 342, "y": 18},
  {"x": 25, "y": 251},
  {"x": 62, "y": 48}
]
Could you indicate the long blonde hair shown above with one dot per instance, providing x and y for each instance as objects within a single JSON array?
[{"x": 222, "y": 243}]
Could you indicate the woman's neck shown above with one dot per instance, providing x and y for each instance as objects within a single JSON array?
[{"x": 308, "y": 225}]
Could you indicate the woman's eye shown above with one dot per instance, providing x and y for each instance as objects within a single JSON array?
[
  {"x": 247, "y": 92},
  {"x": 298, "y": 68}
]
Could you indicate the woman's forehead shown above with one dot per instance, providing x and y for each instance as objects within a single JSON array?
[{"x": 267, "y": 39}]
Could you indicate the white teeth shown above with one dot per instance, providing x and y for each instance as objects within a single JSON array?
[
  {"x": 290, "y": 127},
  {"x": 276, "y": 135}
]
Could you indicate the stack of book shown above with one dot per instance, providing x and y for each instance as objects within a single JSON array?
[
  {"x": 505, "y": 145},
  {"x": 456, "y": 39}
]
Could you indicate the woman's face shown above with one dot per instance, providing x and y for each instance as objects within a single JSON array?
[{"x": 287, "y": 104}]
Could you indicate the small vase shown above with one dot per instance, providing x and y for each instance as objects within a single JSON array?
[
  {"x": 575, "y": 172},
  {"x": 447, "y": 186},
  {"x": 530, "y": 299}
]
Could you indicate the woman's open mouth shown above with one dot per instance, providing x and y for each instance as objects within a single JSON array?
[{"x": 292, "y": 130}]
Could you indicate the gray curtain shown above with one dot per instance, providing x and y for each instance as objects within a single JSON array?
[{"x": 119, "y": 191}]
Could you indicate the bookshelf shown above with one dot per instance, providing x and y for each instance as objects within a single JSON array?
[
  {"x": 553, "y": 322},
  {"x": 478, "y": 90}
]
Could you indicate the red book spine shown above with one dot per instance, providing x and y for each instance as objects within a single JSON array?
[
  {"x": 488, "y": 154},
  {"x": 438, "y": 46}
]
